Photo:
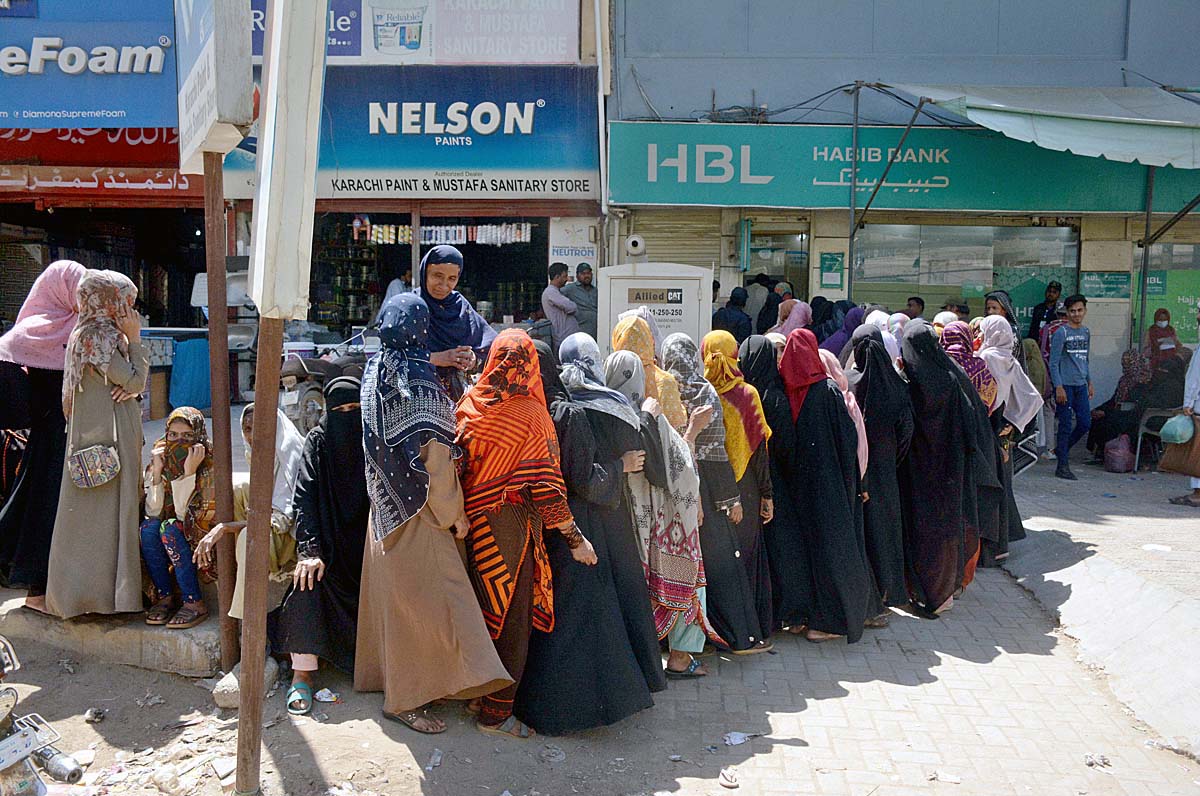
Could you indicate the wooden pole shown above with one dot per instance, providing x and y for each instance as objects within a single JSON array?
[
  {"x": 218, "y": 367},
  {"x": 258, "y": 541}
]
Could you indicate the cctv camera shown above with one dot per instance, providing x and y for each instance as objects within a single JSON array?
[{"x": 635, "y": 245}]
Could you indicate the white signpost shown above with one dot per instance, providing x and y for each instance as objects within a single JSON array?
[
  {"x": 216, "y": 87},
  {"x": 678, "y": 296}
]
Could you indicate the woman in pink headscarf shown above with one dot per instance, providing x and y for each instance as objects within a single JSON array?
[
  {"x": 32, "y": 357},
  {"x": 793, "y": 314},
  {"x": 834, "y": 370}
]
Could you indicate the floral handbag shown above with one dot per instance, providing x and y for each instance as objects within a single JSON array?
[{"x": 95, "y": 465}]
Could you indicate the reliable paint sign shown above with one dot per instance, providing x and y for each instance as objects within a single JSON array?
[
  {"x": 468, "y": 132},
  {"x": 66, "y": 63},
  {"x": 808, "y": 166}
]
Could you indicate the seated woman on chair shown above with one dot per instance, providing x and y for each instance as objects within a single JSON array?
[{"x": 1141, "y": 387}]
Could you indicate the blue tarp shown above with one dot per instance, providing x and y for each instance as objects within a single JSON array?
[{"x": 190, "y": 384}]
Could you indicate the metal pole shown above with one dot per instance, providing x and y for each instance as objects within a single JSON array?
[
  {"x": 1151, "y": 239},
  {"x": 891, "y": 159},
  {"x": 1136, "y": 333},
  {"x": 853, "y": 188},
  {"x": 218, "y": 366},
  {"x": 258, "y": 541},
  {"x": 415, "y": 251},
  {"x": 601, "y": 120}
]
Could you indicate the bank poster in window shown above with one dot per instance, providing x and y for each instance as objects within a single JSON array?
[
  {"x": 1178, "y": 292},
  {"x": 833, "y": 268},
  {"x": 400, "y": 32}
]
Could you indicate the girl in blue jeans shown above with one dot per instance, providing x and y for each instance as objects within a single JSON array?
[{"x": 179, "y": 509}]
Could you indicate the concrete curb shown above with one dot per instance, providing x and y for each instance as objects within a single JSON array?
[
  {"x": 195, "y": 652},
  {"x": 1146, "y": 637}
]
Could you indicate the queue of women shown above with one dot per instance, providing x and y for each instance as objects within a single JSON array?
[{"x": 532, "y": 540}]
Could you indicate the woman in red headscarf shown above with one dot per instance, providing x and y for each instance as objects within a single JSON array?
[
  {"x": 512, "y": 490},
  {"x": 823, "y": 581}
]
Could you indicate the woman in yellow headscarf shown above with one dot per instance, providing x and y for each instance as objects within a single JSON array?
[
  {"x": 633, "y": 334},
  {"x": 746, "y": 435}
]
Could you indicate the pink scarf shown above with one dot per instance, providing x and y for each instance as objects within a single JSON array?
[
  {"x": 799, "y": 316},
  {"x": 834, "y": 369},
  {"x": 39, "y": 337}
]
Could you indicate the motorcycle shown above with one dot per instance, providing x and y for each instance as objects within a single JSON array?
[
  {"x": 302, "y": 382},
  {"x": 24, "y": 739}
]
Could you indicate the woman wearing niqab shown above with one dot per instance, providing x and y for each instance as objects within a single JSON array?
[
  {"x": 949, "y": 484},
  {"x": 746, "y": 441},
  {"x": 823, "y": 580},
  {"x": 421, "y": 636},
  {"x": 731, "y": 607},
  {"x": 887, "y": 415},
  {"x": 601, "y": 662}
]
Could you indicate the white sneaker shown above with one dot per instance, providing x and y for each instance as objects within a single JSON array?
[{"x": 1049, "y": 456}]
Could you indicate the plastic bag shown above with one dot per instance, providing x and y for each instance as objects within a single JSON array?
[
  {"x": 1118, "y": 455},
  {"x": 1178, "y": 430}
]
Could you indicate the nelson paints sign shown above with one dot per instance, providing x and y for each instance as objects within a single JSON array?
[{"x": 67, "y": 63}]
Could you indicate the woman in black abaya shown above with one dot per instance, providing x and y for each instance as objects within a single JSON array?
[
  {"x": 319, "y": 614},
  {"x": 731, "y": 607},
  {"x": 601, "y": 662},
  {"x": 820, "y": 562},
  {"x": 887, "y": 413},
  {"x": 950, "y": 490}
]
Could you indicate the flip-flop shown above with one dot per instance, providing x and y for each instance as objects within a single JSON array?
[
  {"x": 192, "y": 617},
  {"x": 410, "y": 719},
  {"x": 300, "y": 692},
  {"x": 762, "y": 646},
  {"x": 688, "y": 673},
  {"x": 510, "y": 727},
  {"x": 160, "y": 612}
]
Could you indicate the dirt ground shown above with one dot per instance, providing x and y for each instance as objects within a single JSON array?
[{"x": 990, "y": 699}]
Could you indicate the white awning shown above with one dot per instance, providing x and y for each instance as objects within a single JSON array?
[{"x": 1151, "y": 126}]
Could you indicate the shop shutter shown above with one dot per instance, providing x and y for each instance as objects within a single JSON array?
[{"x": 678, "y": 235}]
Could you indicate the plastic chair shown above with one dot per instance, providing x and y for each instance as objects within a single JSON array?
[{"x": 1144, "y": 429}]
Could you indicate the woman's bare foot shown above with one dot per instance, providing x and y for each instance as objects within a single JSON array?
[
  {"x": 37, "y": 603},
  {"x": 817, "y": 636},
  {"x": 680, "y": 661},
  {"x": 946, "y": 606},
  {"x": 798, "y": 630}
]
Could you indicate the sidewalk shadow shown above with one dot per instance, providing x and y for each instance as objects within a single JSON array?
[{"x": 1042, "y": 553}]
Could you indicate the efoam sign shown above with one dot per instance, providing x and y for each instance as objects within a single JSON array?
[{"x": 65, "y": 63}]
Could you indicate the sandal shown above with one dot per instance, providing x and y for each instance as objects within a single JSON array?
[
  {"x": 410, "y": 720},
  {"x": 187, "y": 617},
  {"x": 161, "y": 611},
  {"x": 763, "y": 646},
  {"x": 475, "y": 706},
  {"x": 510, "y": 726},
  {"x": 819, "y": 636},
  {"x": 878, "y": 622},
  {"x": 302, "y": 693},
  {"x": 688, "y": 673},
  {"x": 1184, "y": 500}
]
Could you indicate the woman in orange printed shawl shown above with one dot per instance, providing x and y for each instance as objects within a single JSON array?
[
  {"x": 513, "y": 490},
  {"x": 746, "y": 435}
]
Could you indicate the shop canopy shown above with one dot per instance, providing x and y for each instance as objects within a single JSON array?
[{"x": 1151, "y": 126}]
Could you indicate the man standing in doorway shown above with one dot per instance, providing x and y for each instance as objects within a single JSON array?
[
  {"x": 1044, "y": 312},
  {"x": 768, "y": 316},
  {"x": 559, "y": 309},
  {"x": 583, "y": 292},
  {"x": 756, "y": 294},
  {"x": 1069, "y": 347},
  {"x": 915, "y": 307}
]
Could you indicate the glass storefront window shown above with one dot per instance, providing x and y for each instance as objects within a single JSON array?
[
  {"x": 1173, "y": 284},
  {"x": 962, "y": 263}
]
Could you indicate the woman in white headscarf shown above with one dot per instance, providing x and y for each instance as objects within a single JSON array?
[
  {"x": 289, "y": 453},
  {"x": 1017, "y": 403}
]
